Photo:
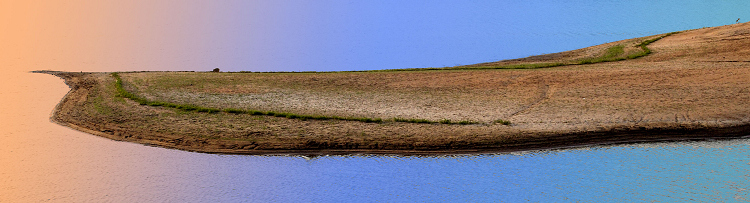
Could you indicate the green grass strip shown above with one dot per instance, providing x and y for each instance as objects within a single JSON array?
[
  {"x": 609, "y": 56},
  {"x": 515, "y": 66},
  {"x": 646, "y": 50},
  {"x": 121, "y": 92}
]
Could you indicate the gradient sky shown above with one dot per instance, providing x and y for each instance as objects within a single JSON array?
[{"x": 297, "y": 35}]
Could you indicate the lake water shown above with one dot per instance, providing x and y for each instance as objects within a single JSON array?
[{"x": 41, "y": 161}]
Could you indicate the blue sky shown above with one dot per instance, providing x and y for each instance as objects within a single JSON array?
[{"x": 296, "y": 35}]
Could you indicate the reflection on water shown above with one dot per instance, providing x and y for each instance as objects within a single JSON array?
[{"x": 42, "y": 161}]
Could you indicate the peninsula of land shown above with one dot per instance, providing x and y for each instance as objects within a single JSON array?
[{"x": 689, "y": 85}]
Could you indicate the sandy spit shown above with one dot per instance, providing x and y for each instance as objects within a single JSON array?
[{"x": 694, "y": 86}]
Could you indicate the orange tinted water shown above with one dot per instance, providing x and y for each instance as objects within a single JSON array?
[{"x": 40, "y": 160}]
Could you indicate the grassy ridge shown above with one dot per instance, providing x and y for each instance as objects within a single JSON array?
[
  {"x": 121, "y": 92},
  {"x": 609, "y": 56},
  {"x": 612, "y": 54},
  {"x": 646, "y": 50}
]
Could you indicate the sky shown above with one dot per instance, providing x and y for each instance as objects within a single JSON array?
[{"x": 326, "y": 35}]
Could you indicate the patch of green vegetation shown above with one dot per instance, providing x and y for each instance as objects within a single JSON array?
[
  {"x": 442, "y": 121},
  {"x": 412, "y": 120},
  {"x": 119, "y": 99},
  {"x": 614, "y": 51},
  {"x": 646, "y": 50},
  {"x": 501, "y": 121},
  {"x": 100, "y": 107},
  {"x": 234, "y": 111},
  {"x": 612, "y": 54},
  {"x": 99, "y": 103}
]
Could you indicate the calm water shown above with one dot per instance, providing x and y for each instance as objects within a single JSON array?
[{"x": 41, "y": 161}]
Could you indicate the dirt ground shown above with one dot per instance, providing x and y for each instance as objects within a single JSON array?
[{"x": 694, "y": 85}]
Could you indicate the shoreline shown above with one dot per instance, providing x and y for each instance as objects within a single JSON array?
[
  {"x": 664, "y": 97},
  {"x": 648, "y": 133}
]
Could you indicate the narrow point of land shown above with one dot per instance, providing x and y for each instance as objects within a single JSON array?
[{"x": 689, "y": 85}]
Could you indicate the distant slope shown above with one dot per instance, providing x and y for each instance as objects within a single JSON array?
[{"x": 724, "y": 43}]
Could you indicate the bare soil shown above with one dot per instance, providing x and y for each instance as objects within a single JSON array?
[{"x": 694, "y": 86}]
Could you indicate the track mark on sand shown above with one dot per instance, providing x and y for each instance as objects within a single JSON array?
[{"x": 542, "y": 96}]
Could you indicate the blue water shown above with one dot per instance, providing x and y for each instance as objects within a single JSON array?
[
  {"x": 702, "y": 171},
  {"x": 41, "y": 161}
]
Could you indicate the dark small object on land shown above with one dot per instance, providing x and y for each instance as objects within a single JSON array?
[{"x": 216, "y": 70}]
